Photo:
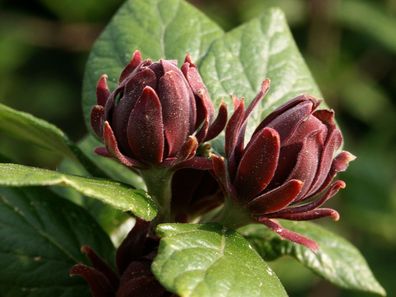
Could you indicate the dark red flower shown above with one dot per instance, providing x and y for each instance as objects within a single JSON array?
[
  {"x": 286, "y": 169},
  {"x": 133, "y": 277},
  {"x": 157, "y": 115}
]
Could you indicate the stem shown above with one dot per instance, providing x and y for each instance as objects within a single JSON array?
[
  {"x": 159, "y": 187},
  {"x": 233, "y": 215}
]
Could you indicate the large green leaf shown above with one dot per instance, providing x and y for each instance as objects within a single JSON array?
[
  {"x": 25, "y": 127},
  {"x": 41, "y": 236},
  {"x": 209, "y": 260},
  {"x": 113, "y": 193},
  {"x": 237, "y": 63},
  {"x": 337, "y": 260},
  {"x": 158, "y": 28}
]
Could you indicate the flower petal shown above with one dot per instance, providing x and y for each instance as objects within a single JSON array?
[
  {"x": 131, "y": 93},
  {"x": 231, "y": 134},
  {"x": 112, "y": 147},
  {"x": 331, "y": 191},
  {"x": 276, "y": 199},
  {"x": 145, "y": 131},
  {"x": 102, "y": 91},
  {"x": 205, "y": 109},
  {"x": 176, "y": 110},
  {"x": 289, "y": 120},
  {"x": 334, "y": 141},
  {"x": 97, "y": 115},
  {"x": 289, "y": 235},
  {"x": 309, "y": 215},
  {"x": 135, "y": 61},
  {"x": 218, "y": 124},
  {"x": 101, "y": 266},
  {"x": 307, "y": 162},
  {"x": 340, "y": 164},
  {"x": 189, "y": 149},
  {"x": 98, "y": 283},
  {"x": 258, "y": 164}
]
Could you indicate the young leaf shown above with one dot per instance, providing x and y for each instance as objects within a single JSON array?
[
  {"x": 238, "y": 62},
  {"x": 337, "y": 260},
  {"x": 118, "y": 195},
  {"x": 209, "y": 260},
  {"x": 160, "y": 29},
  {"x": 41, "y": 236}
]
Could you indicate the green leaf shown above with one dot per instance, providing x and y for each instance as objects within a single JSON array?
[
  {"x": 337, "y": 260},
  {"x": 108, "y": 217},
  {"x": 26, "y": 127},
  {"x": 209, "y": 260},
  {"x": 158, "y": 28},
  {"x": 41, "y": 236},
  {"x": 237, "y": 63},
  {"x": 118, "y": 195}
]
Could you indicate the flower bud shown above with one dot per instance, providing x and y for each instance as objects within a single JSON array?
[
  {"x": 157, "y": 115},
  {"x": 286, "y": 169},
  {"x": 133, "y": 277}
]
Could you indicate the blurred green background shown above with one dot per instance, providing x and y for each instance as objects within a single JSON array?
[{"x": 349, "y": 45}]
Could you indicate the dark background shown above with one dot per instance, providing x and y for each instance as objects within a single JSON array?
[{"x": 350, "y": 46}]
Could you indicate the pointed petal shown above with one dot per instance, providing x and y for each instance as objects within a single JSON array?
[
  {"x": 145, "y": 130},
  {"x": 231, "y": 134},
  {"x": 132, "y": 247},
  {"x": 131, "y": 93},
  {"x": 189, "y": 149},
  {"x": 340, "y": 164},
  {"x": 263, "y": 91},
  {"x": 276, "y": 199},
  {"x": 202, "y": 130},
  {"x": 290, "y": 105},
  {"x": 289, "y": 235},
  {"x": 101, "y": 266},
  {"x": 102, "y": 90},
  {"x": 112, "y": 147},
  {"x": 176, "y": 110},
  {"x": 331, "y": 191},
  {"x": 309, "y": 215},
  {"x": 287, "y": 121},
  {"x": 220, "y": 172},
  {"x": 98, "y": 283},
  {"x": 333, "y": 142},
  {"x": 258, "y": 164},
  {"x": 307, "y": 162},
  {"x": 204, "y": 104},
  {"x": 135, "y": 61},
  {"x": 97, "y": 115},
  {"x": 218, "y": 124}
]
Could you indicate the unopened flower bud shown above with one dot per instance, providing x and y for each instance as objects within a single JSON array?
[{"x": 157, "y": 116}]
